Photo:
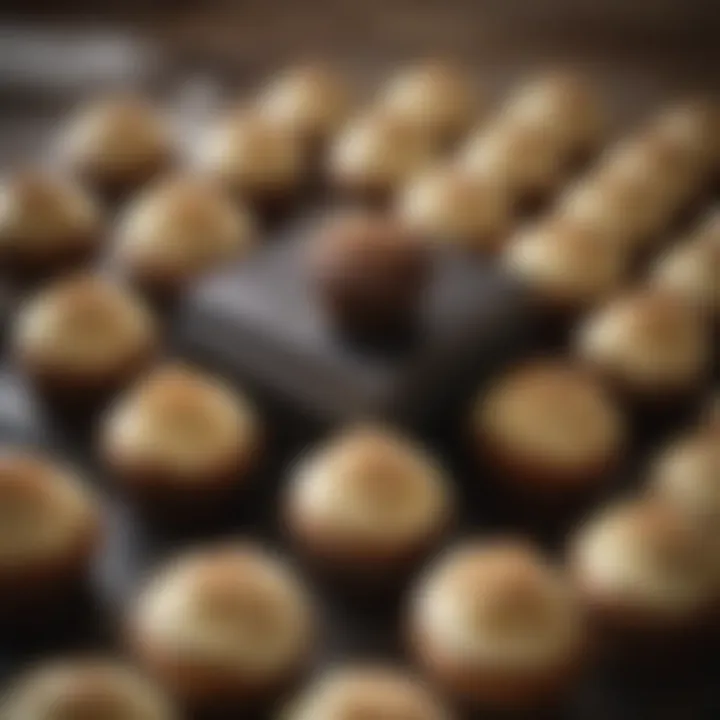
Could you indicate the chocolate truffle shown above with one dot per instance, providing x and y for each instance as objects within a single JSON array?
[
  {"x": 224, "y": 628},
  {"x": 692, "y": 269},
  {"x": 449, "y": 205},
  {"x": 117, "y": 143},
  {"x": 496, "y": 625},
  {"x": 258, "y": 161},
  {"x": 370, "y": 274},
  {"x": 310, "y": 100},
  {"x": 565, "y": 107},
  {"x": 566, "y": 265},
  {"x": 643, "y": 571},
  {"x": 519, "y": 157},
  {"x": 50, "y": 529},
  {"x": 367, "y": 691},
  {"x": 436, "y": 97},
  {"x": 369, "y": 504},
  {"x": 649, "y": 343},
  {"x": 178, "y": 230},
  {"x": 86, "y": 689},
  {"x": 375, "y": 154},
  {"x": 687, "y": 474},
  {"x": 178, "y": 435},
  {"x": 691, "y": 130},
  {"x": 47, "y": 223},
  {"x": 83, "y": 336},
  {"x": 549, "y": 428}
]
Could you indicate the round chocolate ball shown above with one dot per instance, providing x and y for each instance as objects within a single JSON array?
[
  {"x": 497, "y": 626},
  {"x": 370, "y": 274}
]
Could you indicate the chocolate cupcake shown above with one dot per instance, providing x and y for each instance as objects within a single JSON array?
[
  {"x": 497, "y": 626},
  {"x": 369, "y": 274},
  {"x": 85, "y": 688},
  {"x": 563, "y": 105},
  {"x": 449, "y": 205},
  {"x": 375, "y": 154},
  {"x": 311, "y": 101},
  {"x": 517, "y": 156},
  {"x": 549, "y": 429},
  {"x": 177, "y": 231},
  {"x": 117, "y": 143},
  {"x": 691, "y": 269},
  {"x": 181, "y": 440},
  {"x": 367, "y": 691},
  {"x": 368, "y": 505},
  {"x": 50, "y": 530},
  {"x": 47, "y": 223},
  {"x": 646, "y": 577},
  {"x": 436, "y": 97},
  {"x": 567, "y": 267},
  {"x": 225, "y": 629},
  {"x": 652, "y": 345},
  {"x": 258, "y": 161},
  {"x": 82, "y": 338}
]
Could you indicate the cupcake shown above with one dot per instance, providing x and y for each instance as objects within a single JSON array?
[
  {"x": 81, "y": 689},
  {"x": 497, "y": 626},
  {"x": 83, "y": 337},
  {"x": 179, "y": 436},
  {"x": 645, "y": 574},
  {"x": 549, "y": 429},
  {"x": 651, "y": 344},
  {"x": 50, "y": 530},
  {"x": 449, "y": 205},
  {"x": 435, "y": 97},
  {"x": 687, "y": 474},
  {"x": 691, "y": 130},
  {"x": 117, "y": 143},
  {"x": 309, "y": 100},
  {"x": 368, "y": 505},
  {"x": 631, "y": 198},
  {"x": 517, "y": 156},
  {"x": 47, "y": 223},
  {"x": 258, "y": 161},
  {"x": 178, "y": 230},
  {"x": 369, "y": 274},
  {"x": 567, "y": 267},
  {"x": 565, "y": 107},
  {"x": 224, "y": 628},
  {"x": 375, "y": 154},
  {"x": 367, "y": 691},
  {"x": 691, "y": 269}
]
